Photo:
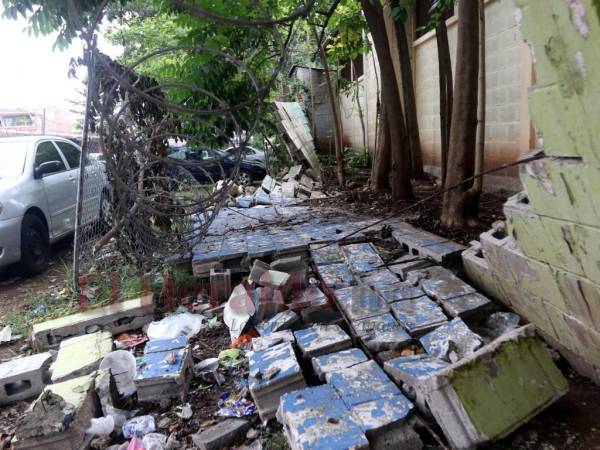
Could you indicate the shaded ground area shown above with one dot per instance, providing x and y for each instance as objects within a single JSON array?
[{"x": 17, "y": 289}]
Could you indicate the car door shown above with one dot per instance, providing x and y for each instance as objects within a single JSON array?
[
  {"x": 93, "y": 182},
  {"x": 59, "y": 187}
]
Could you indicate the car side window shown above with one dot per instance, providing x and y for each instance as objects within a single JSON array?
[
  {"x": 72, "y": 153},
  {"x": 46, "y": 152}
]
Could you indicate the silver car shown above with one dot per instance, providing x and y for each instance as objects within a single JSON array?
[{"x": 38, "y": 196}]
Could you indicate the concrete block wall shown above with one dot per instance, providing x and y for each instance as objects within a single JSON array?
[{"x": 544, "y": 262}]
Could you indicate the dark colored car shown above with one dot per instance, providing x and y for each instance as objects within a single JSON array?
[{"x": 205, "y": 165}]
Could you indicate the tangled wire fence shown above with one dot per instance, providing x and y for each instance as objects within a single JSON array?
[{"x": 142, "y": 203}]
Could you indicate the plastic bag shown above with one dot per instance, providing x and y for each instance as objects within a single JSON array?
[
  {"x": 185, "y": 324},
  {"x": 122, "y": 367},
  {"x": 136, "y": 444},
  {"x": 5, "y": 334},
  {"x": 101, "y": 426},
  {"x": 154, "y": 441},
  {"x": 139, "y": 426}
]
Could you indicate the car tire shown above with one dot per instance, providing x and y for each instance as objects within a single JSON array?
[
  {"x": 35, "y": 245},
  {"x": 244, "y": 178}
]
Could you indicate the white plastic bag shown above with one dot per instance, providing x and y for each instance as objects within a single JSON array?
[
  {"x": 101, "y": 426},
  {"x": 154, "y": 441},
  {"x": 185, "y": 324},
  {"x": 122, "y": 367}
]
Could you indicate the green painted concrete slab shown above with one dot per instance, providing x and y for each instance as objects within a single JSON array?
[{"x": 81, "y": 355}]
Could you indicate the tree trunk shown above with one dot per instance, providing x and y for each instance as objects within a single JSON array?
[
  {"x": 380, "y": 171},
  {"x": 400, "y": 150},
  {"x": 446, "y": 93},
  {"x": 461, "y": 151},
  {"x": 408, "y": 91},
  {"x": 333, "y": 103},
  {"x": 477, "y": 188}
]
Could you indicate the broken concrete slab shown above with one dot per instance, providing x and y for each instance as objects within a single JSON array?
[
  {"x": 362, "y": 383},
  {"x": 165, "y": 370},
  {"x": 380, "y": 278},
  {"x": 311, "y": 297},
  {"x": 404, "y": 268},
  {"x": 419, "y": 315},
  {"x": 280, "y": 281},
  {"x": 288, "y": 188},
  {"x": 321, "y": 339},
  {"x": 273, "y": 372},
  {"x": 334, "y": 362},
  {"x": 317, "y": 418},
  {"x": 222, "y": 435},
  {"x": 81, "y": 355},
  {"x": 380, "y": 333},
  {"x": 399, "y": 291},
  {"x": 293, "y": 173},
  {"x": 268, "y": 184},
  {"x": 258, "y": 269},
  {"x": 359, "y": 302},
  {"x": 441, "y": 284},
  {"x": 495, "y": 390},
  {"x": 420, "y": 242},
  {"x": 267, "y": 302},
  {"x": 23, "y": 378},
  {"x": 362, "y": 257},
  {"x": 273, "y": 339},
  {"x": 336, "y": 275},
  {"x": 328, "y": 254},
  {"x": 284, "y": 320},
  {"x": 413, "y": 370},
  {"x": 451, "y": 341},
  {"x": 466, "y": 305},
  {"x": 116, "y": 318},
  {"x": 296, "y": 267},
  {"x": 57, "y": 420},
  {"x": 479, "y": 273}
]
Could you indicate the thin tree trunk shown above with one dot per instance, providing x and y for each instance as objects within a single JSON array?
[
  {"x": 360, "y": 110},
  {"x": 408, "y": 91},
  {"x": 400, "y": 150},
  {"x": 461, "y": 152},
  {"x": 477, "y": 188},
  {"x": 380, "y": 171},
  {"x": 333, "y": 103},
  {"x": 446, "y": 94}
]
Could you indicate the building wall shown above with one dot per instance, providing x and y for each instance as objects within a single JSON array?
[
  {"x": 508, "y": 74},
  {"x": 546, "y": 264}
]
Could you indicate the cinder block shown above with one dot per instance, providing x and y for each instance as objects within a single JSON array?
[
  {"x": 441, "y": 284},
  {"x": 360, "y": 302},
  {"x": 334, "y": 362},
  {"x": 418, "y": 315},
  {"x": 426, "y": 244},
  {"x": 336, "y": 275},
  {"x": 49, "y": 426},
  {"x": 362, "y": 258},
  {"x": 321, "y": 339},
  {"x": 116, "y": 318},
  {"x": 24, "y": 377},
  {"x": 221, "y": 435},
  {"x": 380, "y": 333},
  {"x": 480, "y": 273},
  {"x": 451, "y": 341},
  {"x": 273, "y": 339},
  {"x": 329, "y": 254},
  {"x": 165, "y": 370},
  {"x": 494, "y": 391},
  {"x": 81, "y": 355}
]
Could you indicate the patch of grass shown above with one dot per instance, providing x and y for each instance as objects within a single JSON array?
[{"x": 274, "y": 440}]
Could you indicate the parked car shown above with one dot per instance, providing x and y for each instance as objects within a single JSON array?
[
  {"x": 205, "y": 165},
  {"x": 250, "y": 154},
  {"x": 38, "y": 195}
]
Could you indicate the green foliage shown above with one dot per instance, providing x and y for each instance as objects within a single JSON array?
[
  {"x": 436, "y": 14},
  {"x": 401, "y": 10},
  {"x": 348, "y": 29},
  {"x": 357, "y": 159}
]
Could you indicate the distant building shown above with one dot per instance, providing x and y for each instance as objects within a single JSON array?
[{"x": 53, "y": 120}]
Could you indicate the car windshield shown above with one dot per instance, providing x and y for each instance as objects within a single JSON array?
[{"x": 12, "y": 158}]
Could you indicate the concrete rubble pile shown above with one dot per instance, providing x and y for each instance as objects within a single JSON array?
[{"x": 349, "y": 347}]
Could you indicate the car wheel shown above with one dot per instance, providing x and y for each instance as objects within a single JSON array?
[
  {"x": 35, "y": 245},
  {"x": 244, "y": 178}
]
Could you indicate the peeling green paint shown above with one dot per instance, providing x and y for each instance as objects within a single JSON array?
[{"x": 508, "y": 386}]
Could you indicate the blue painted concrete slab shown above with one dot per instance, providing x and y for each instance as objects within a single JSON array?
[
  {"x": 453, "y": 337},
  {"x": 336, "y": 275},
  {"x": 326, "y": 255},
  {"x": 333, "y": 362},
  {"x": 280, "y": 321},
  {"x": 380, "y": 278},
  {"x": 279, "y": 358},
  {"x": 320, "y": 339},
  {"x": 161, "y": 364},
  {"x": 412, "y": 369},
  {"x": 317, "y": 418},
  {"x": 378, "y": 414},
  {"x": 362, "y": 257},
  {"x": 418, "y": 315},
  {"x": 466, "y": 305},
  {"x": 359, "y": 302},
  {"x": 165, "y": 345},
  {"x": 381, "y": 333},
  {"x": 399, "y": 291},
  {"x": 362, "y": 383}
]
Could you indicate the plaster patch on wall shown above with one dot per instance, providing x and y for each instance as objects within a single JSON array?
[
  {"x": 579, "y": 17},
  {"x": 580, "y": 60}
]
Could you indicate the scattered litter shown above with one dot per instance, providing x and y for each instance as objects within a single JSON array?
[
  {"x": 175, "y": 325},
  {"x": 5, "y": 334},
  {"x": 139, "y": 426},
  {"x": 122, "y": 367},
  {"x": 185, "y": 411},
  {"x": 101, "y": 426},
  {"x": 130, "y": 340},
  {"x": 238, "y": 310},
  {"x": 229, "y": 357},
  {"x": 154, "y": 441},
  {"x": 235, "y": 405}
]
